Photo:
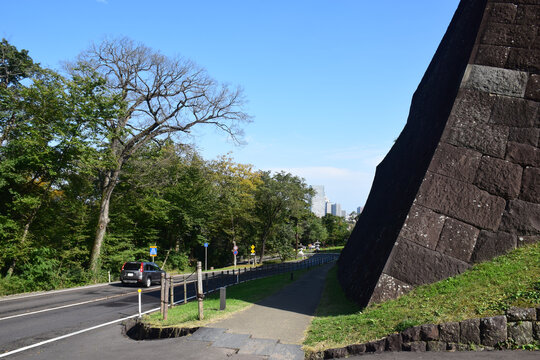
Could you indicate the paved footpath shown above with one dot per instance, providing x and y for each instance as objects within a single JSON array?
[{"x": 273, "y": 328}]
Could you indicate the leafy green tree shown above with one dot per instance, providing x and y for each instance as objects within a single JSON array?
[
  {"x": 337, "y": 229},
  {"x": 161, "y": 97},
  {"x": 313, "y": 230},
  {"x": 279, "y": 198},
  {"x": 47, "y": 124}
]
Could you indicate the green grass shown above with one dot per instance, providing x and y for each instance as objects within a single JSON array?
[
  {"x": 486, "y": 289},
  {"x": 239, "y": 297}
]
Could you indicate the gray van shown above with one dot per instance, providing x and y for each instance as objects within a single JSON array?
[{"x": 141, "y": 272}]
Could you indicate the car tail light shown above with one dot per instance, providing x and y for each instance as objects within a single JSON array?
[
  {"x": 142, "y": 266},
  {"x": 123, "y": 266}
]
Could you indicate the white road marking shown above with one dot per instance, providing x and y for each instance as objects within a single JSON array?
[{"x": 80, "y": 331}]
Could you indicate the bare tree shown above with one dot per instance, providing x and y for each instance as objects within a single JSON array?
[{"x": 159, "y": 96}]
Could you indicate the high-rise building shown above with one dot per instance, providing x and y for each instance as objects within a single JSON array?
[
  {"x": 336, "y": 209},
  {"x": 343, "y": 213},
  {"x": 328, "y": 207},
  {"x": 318, "y": 205},
  {"x": 359, "y": 210}
]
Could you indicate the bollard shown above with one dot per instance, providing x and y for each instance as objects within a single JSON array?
[
  {"x": 200, "y": 294},
  {"x": 292, "y": 276},
  {"x": 140, "y": 303},
  {"x": 222, "y": 298},
  {"x": 108, "y": 272}
]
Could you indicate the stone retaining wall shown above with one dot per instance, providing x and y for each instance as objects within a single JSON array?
[{"x": 517, "y": 327}]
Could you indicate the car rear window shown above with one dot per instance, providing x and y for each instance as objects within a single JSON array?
[{"x": 132, "y": 266}]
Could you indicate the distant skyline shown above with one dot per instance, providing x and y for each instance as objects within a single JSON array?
[{"x": 329, "y": 83}]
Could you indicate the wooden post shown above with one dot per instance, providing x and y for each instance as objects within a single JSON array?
[
  {"x": 185, "y": 289},
  {"x": 200, "y": 294},
  {"x": 171, "y": 291},
  {"x": 165, "y": 297},
  {"x": 163, "y": 294}
]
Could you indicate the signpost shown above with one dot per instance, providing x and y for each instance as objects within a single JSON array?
[
  {"x": 235, "y": 252},
  {"x": 205, "y": 256},
  {"x": 153, "y": 252}
]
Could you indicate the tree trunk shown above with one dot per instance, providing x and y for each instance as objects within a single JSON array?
[{"x": 109, "y": 184}]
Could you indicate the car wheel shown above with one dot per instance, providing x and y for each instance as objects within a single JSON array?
[{"x": 148, "y": 281}]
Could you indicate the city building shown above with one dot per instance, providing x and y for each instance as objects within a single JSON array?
[{"x": 318, "y": 201}]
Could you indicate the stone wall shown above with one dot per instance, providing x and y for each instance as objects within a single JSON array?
[
  {"x": 517, "y": 327},
  {"x": 462, "y": 182}
]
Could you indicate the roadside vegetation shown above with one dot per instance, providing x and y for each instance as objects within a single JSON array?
[
  {"x": 94, "y": 170},
  {"x": 239, "y": 297},
  {"x": 487, "y": 289}
]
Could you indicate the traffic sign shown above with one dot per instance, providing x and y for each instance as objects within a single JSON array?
[
  {"x": 252, "y": 249},
  {"x": 153, "y": 250},
  {"x": 235, "y": 247},
  {"x": 205, "y": 244},
  {"x": 235, "y": 252}
]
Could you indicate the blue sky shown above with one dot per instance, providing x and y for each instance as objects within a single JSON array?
[{"x": 329, "y": 83}]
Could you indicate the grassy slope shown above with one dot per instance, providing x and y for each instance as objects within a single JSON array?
[{"x": 486, "y": 289}]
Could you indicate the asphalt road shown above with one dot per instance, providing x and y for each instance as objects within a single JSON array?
[{"x": 37, "y": 318}]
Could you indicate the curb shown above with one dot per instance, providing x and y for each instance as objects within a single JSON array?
[{"x": 517, "y": 327}]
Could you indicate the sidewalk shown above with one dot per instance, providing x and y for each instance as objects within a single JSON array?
[{"x": 273, "y": 327}]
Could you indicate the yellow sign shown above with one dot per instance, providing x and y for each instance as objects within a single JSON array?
[{"x": 253, "y": 249}]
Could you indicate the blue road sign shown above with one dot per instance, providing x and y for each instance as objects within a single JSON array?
[
  {"x": 235, "y": 252},
  {"x": 205, "y": 244},
  {"x": 153, "y": 250}
]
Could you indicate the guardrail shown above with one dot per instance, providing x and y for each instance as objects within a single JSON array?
[{"x": 214, "y": 280}]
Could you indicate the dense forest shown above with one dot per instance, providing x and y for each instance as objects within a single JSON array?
[{"x": 96, "y": 165}]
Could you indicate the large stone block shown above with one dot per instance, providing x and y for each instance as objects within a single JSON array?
[
  {"x": 423, "y": 226},
  {"x": 485, "y": 138},
  {"x": 490, "y": 55},
  {"x": 388, "y": 288},
  {"x": 461, "y": 201},
  {"x": 499, "y": 177},
  {"x": 393, "y": 342},
  {"x": 457, "y": 239},
  {"x": 521, "y": 332},
  {"x": 501, "y": 13},
  {"x": 473, "y": 106},
  {"x": 456, "y": 162},
  {"x": 527, "y": 136},
  {"x": 469, "y": 331},
  {"x": 530, "y": 188},
  {"x": 449, "y": 332},
  {"x": 429, "y": 332},
  {"x": 491, "y": 244},
  {"x": 411, "y": 334},
  {"x": 523, "y": 59},
  {"x": 496, "y": 80},
  {"x": 435, "y": 266},
  {"x": 522, "y": 218},
  {"x": 523, "y": 154},
  {"x": 528, "y": 15},
  {"x": 493, "y": 330},
  {"x": 521, "y": 36},
  {"x": 521, "y": 314},
  {"x": 514, "y": 112}
]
